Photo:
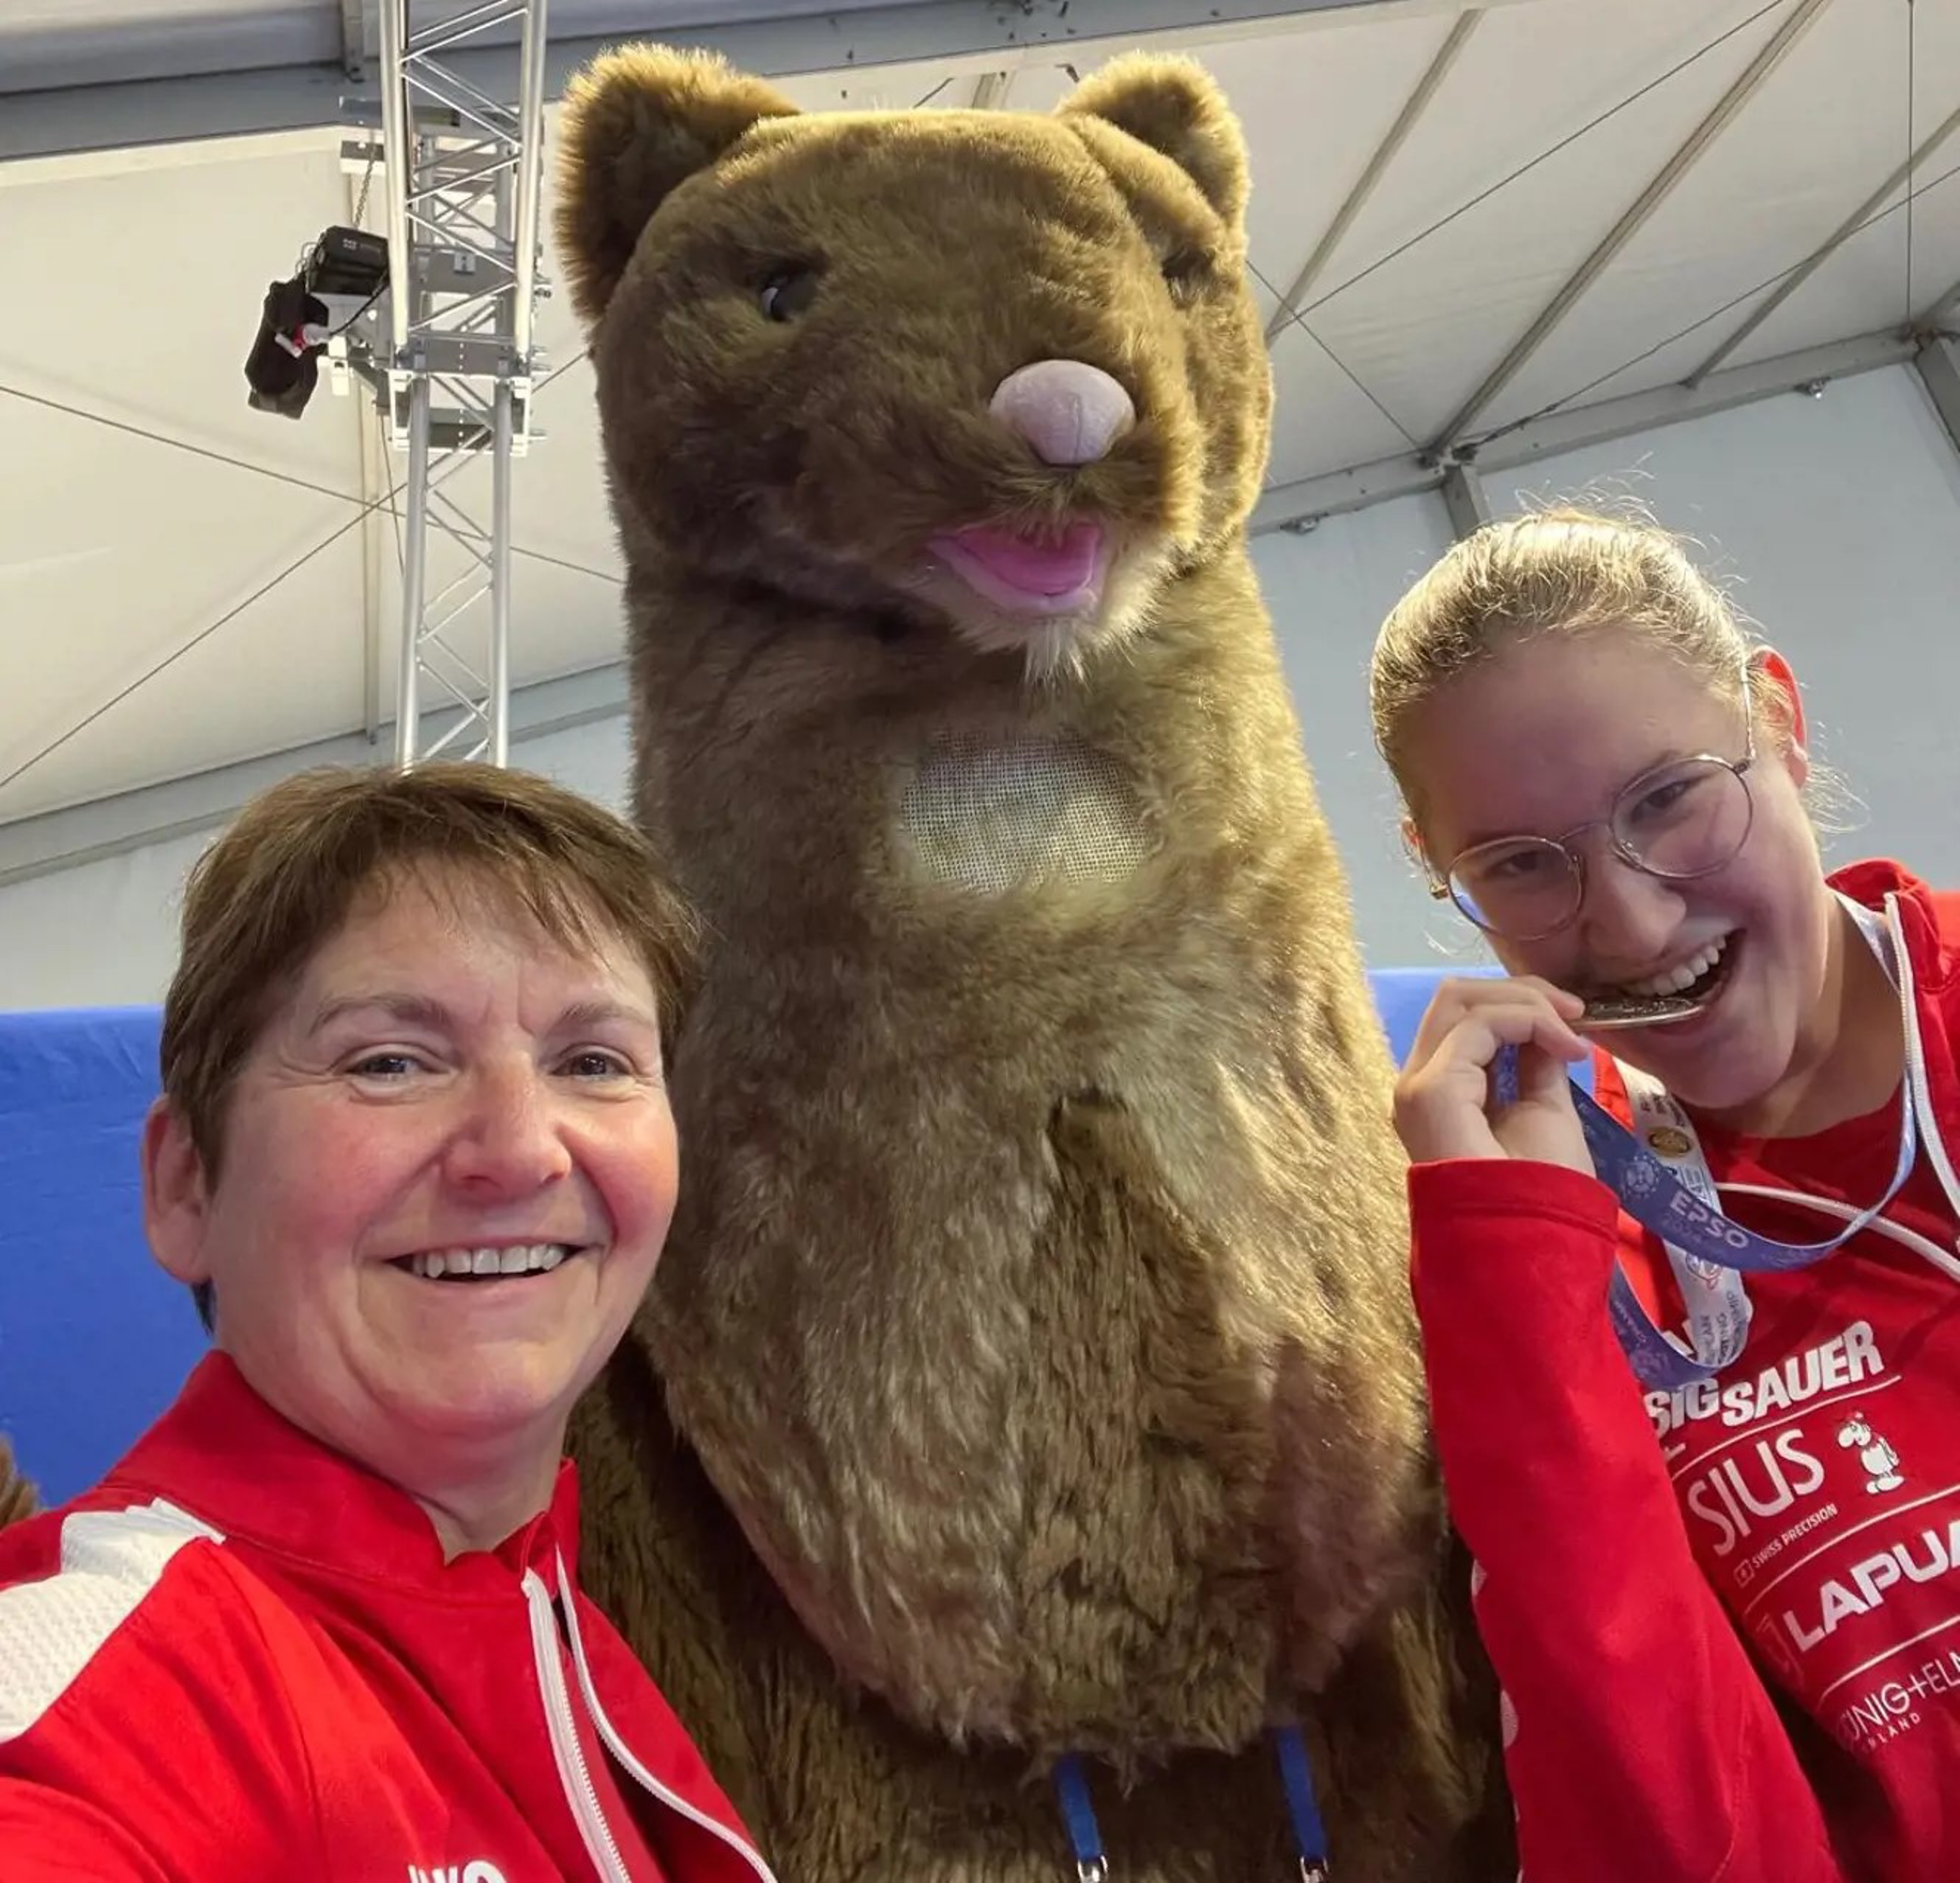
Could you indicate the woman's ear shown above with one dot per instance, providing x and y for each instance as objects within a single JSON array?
[
  {"x": 1773, "y": 679},
  {"x": 177, "y": 1198},
  {"x": 1412, "y": 842}
]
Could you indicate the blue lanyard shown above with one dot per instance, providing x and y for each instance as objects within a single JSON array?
[
  {"x": 1296, "y": 1775},
  {"x": 1697, "y": 1233}
]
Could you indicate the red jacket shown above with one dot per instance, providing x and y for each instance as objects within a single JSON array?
[
  {"x": 1727, "y": 1621},
  {"x": 241, "y": 1655}
]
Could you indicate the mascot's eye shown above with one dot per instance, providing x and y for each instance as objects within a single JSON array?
[
  {"x": 1186, "y": 273},
  {"x": 788, "y": 293}
]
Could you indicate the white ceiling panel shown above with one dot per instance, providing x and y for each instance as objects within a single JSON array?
[
  {"x": 135, "y": 295},
  {"x": 1314, "y": 107},
  {"x": 1760, "y": 199},
  {"x": 1894, "y": 263},
  {"x": 50, "y": 42},
  {"x": 144, "y": 497},
  {"x": 135, "y": 275},
  {"x": 1862, "y": 288},
  {"x": 1529, "y": 80},
  {"x": 1424, "y": 329},
  {"x": 1327, "y": 422},
  {"x": 285, "y": 669}
]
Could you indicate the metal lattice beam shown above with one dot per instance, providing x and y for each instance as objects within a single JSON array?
[
  {"x": 143, "y": 110},
  {"x": 450, "y": 351}
]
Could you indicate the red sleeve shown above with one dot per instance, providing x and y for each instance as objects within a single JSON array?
[
  {"x": 50, "y": 1837},
  {"x": 1641, "y": 1743},
  {"x": 146, "y": 1734}
]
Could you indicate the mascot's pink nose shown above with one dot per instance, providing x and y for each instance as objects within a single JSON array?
[{"x": 1069, "y": 411}]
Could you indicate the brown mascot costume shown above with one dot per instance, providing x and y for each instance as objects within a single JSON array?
[
  {"x": 1025, "y": 1431},
  {"x": 18, "y": 1499}
]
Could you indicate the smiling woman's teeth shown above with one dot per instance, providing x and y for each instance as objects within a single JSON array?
[
  {"x": 1684, "y": 976},
  {"x": 530, "y": 1257}
]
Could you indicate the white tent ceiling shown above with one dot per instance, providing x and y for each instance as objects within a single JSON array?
[{"x": 1526, "y": 225}]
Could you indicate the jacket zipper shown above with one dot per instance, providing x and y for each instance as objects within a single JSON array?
[
  {"x": 624, "y": 1754},
  {"x": 572, "y": 1771}
]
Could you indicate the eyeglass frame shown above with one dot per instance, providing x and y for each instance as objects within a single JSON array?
[{"x": 1440, "y": 891}]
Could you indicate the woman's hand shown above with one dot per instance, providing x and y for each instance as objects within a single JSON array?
[{"x": 1446, "y": 1105}]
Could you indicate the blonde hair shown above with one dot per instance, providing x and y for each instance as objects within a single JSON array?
[{"x": 1564, "y": 570}]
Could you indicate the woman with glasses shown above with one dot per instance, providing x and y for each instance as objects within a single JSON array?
[{"x": 1693, "y": 1338}]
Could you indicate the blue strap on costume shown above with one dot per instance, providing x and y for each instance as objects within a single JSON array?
[
  {"x": 1079, "y": 1815},
  {"x": 1309, "y": 1835},
  {"x": 1085, "y": 1836}
]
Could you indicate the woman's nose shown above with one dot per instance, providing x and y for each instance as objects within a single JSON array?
[
  {"x": 1629, "y": 917},
  {"x": 508, "y": 1140}
]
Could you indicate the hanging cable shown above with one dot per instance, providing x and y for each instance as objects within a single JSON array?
[
  {"x": 278, "y": 477},
  {"x": 197, "y": 640},
  {"x": 1300, "y": 321},
  {"x": 176, "y": 444},
  {"x": 1523, "y": 170},
  {"x": 1911, "y": 136},
  {"x": 1693, "y": 326}
]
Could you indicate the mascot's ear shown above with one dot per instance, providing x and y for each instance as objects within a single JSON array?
[
  {"x": 1175, "y": 106},
  {"x": 637, "y": 123}
]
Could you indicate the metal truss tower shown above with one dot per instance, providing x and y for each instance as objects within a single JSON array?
[{"x": 451, "y": 357}]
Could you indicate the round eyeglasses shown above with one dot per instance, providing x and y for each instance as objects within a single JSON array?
[{"x": 1681, "y": 820}]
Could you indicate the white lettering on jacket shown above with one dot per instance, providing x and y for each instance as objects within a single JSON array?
[
  {"x": 1736, "y": 1491},
  {"x": 1843, "y": 1361},
  {"x": 480, "y": 1871},
  {"x": 1863, "y": 1587}
]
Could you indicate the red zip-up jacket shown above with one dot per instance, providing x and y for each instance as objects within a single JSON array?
[
  {"x": 243, "y": 1655},
  {"x": 1726, "y": 1620}
]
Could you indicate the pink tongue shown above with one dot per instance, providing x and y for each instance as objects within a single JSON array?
[{"x": 1039, "y": 568}]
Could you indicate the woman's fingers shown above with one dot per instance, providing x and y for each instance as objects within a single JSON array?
[
  {"x": 1444, "y": 1104},
  {"x": 1459, "y": 999}
]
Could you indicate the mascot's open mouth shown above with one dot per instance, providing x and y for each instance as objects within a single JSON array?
[{"x": 1028, "y": 574}]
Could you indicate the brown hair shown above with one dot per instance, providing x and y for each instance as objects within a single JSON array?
[
  {"x": 1566, "y": 570},
  {"x": 287, "y": 873}
]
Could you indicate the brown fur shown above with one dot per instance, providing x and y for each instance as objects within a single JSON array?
[
  {"x": 18, "y": 1498},
  {"x": 1036, "y": 1307}
]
